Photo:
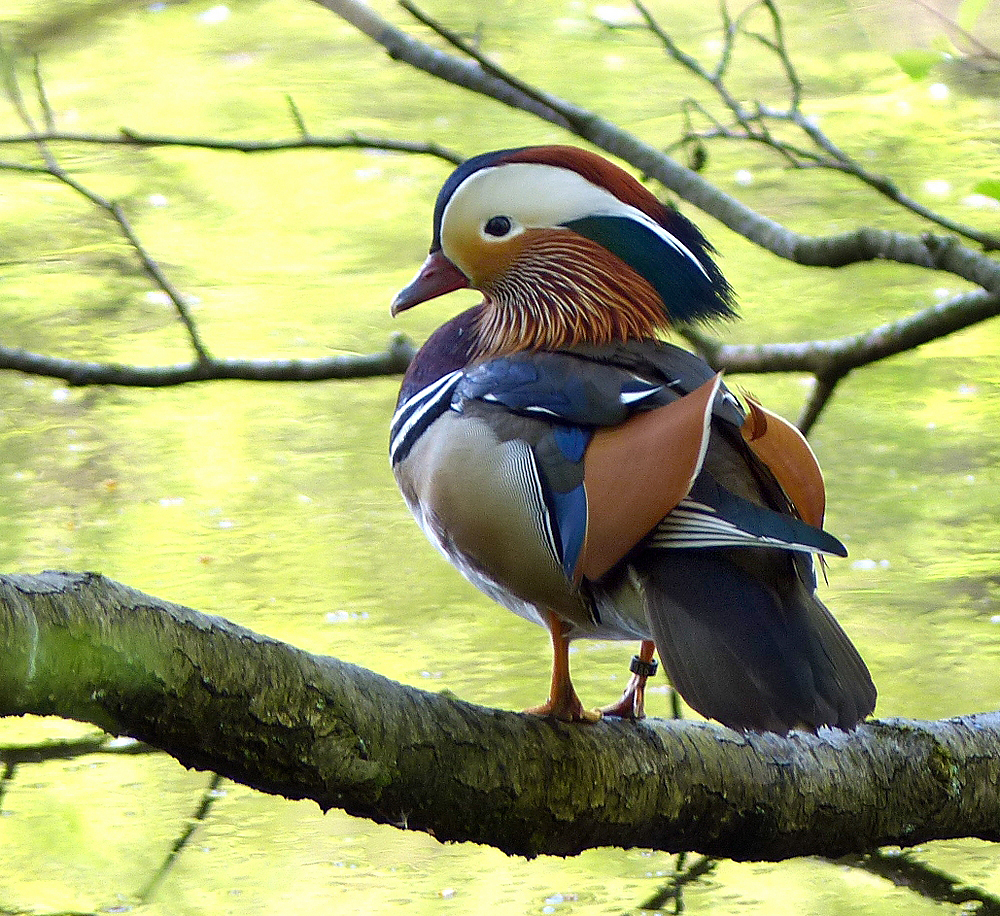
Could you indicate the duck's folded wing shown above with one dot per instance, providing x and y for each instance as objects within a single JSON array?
[
  {"x": 712, "y": 516},
  {"x": 612, "y": 464},
  {"x": 560, "y": 387}
]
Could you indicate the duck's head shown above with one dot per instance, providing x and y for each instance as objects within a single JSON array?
[{"x": 566, "y": 248}]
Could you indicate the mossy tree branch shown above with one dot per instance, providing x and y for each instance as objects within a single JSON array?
[{"x": 219, "y": 697}]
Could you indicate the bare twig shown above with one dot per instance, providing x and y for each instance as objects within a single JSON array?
[
  {"x": 6, "y": 778},
  {"x": 683, "y": 875},
  {"x": 42, "y": 96},
  {"x": 208, "y": 799},
  {"x": 70, "y": 749},
  {"x": 577, "y": 117},
  {"x": 139, "y": 139},
  {"x": 904, "y": 870},
  {"x": 820, "y": 396},
  {"x": 14, "y": 756},
  {"x": 296, "y": 114},
  {"x": 981, "y": 49},
  {"x": 112, "y": 209},
  {"x": 751, "y": 124},
  {"x": 155, "y": 272},
  {"x": 391, "y": 361},
  {"x": 466, "y": 74}
]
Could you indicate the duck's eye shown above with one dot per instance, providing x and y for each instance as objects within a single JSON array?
[{"x": 497, "y": 226}]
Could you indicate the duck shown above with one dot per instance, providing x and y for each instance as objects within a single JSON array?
[{"x": 600, "y": 481}]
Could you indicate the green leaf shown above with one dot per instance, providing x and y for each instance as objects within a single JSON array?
[
  {"x": 969, "y": 12},
  {"x": 917, "y": 64},
  {"x": 989, "y": 187}
]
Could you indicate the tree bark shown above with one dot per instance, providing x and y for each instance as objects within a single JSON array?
[{"x": 217, "y": 696}]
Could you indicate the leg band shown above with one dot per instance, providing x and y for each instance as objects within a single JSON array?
[{"x": 643, "y": 669}]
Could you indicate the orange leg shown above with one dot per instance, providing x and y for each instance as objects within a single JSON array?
[
  {"x": 632, "y": 703},
  {"x": 563, "y": 703}
]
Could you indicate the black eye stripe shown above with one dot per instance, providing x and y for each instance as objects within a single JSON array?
[{"x": 497, "y": 226}]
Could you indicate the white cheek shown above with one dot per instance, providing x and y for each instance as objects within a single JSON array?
[{"x": 532, "y": 195}]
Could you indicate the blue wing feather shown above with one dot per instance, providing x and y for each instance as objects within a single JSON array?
[
  {"x": 558, "y": 386},
  {"x": 572, "y": 442},
  {"x": 570, "y": 511}
]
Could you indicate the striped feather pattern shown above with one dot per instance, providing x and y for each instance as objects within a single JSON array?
[
  {"x": 695, "y": 524},
  {"x": 413, "y": 417},
  {"x": 564, "y": 290}
]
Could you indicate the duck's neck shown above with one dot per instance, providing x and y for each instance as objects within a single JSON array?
[
  {"x": 450, "y": 347},
  {"x": 563, "y": 291}
]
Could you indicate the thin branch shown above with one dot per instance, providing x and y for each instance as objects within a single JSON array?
[
  {"x": 903, "y": 870},
  {"x": 27, "y": 167},
  {"x": 982, "y": 50},
  {"x": 841, "y": 162},
  {"x": 133, "y": 138},
  {"x": 391, "y": 361},
  {"x": 751, "y": 124},
  {"x": 42, "y": 95},
  {"x": 820, "y": 396},
  {"x": 154, "y": 270},
  {"x": 112, "y": 209},
  {"x": 781, "y": 48},
  {"x": 208, "y": 799},
  {"x": 575, "y": 116},
  {"x": 6, "y": 778},
  {"x": 15, "y": 756},
  {"x": 296, "y": 114},
  {"x": 117, "y": 214},
  {"x": 12, "y": 86},
  {"x": 683, "y": 875},
  {"x": 422, "y": 56},
  {"x": 73, "y": 748}
]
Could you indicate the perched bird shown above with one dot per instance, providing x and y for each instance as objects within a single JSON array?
[{"x": 599, "y": 481}]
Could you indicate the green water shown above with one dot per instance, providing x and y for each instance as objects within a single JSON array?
[{"x": 273, "y": 505}]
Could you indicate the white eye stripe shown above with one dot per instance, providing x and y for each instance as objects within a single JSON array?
[{"x": 537, "y": 196}]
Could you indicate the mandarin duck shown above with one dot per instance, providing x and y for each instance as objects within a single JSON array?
[{"x": 599, "y": 481}]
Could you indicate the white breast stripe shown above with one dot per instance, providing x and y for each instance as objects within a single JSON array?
[{"x": 417, "y": 412}]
